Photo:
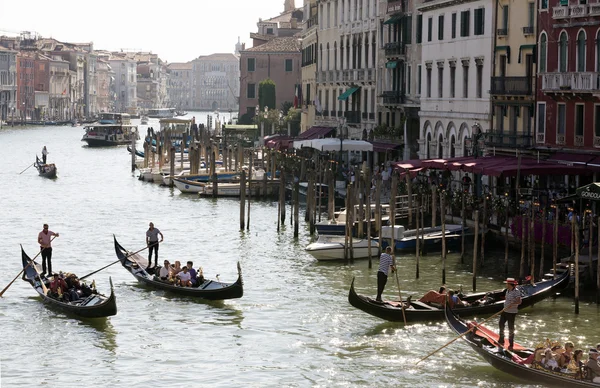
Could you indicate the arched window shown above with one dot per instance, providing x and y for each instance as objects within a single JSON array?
[
  {"x": 543, "y": 52},
  {"x": 427, "y": 146},
  {"x": 581, "y": 51},
  {"x": 562, "y": 52},
  {"x": 452, "y": 145},
  {"x": 440, "y": 147}
]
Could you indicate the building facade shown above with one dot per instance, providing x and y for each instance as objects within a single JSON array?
[
  {"x": 179, "y": 85},
  {"x": 216, "y": 82},
  {"x": 456, "y": 66},
  {"x": 9, "y": 81},
  {"x": 125, "y": 69},
  {"x": 309, "y": 47}
]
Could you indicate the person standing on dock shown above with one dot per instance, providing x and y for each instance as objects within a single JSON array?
[
  {"x": 152, "y": 241},
  {"x": 44, "y": 154},
  {"x": 45, "y": 241},
  {"x": 512, "y": 300},
  {"x": 386, "y": 261}
]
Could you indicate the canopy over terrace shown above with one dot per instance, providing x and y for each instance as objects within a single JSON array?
[{"x": 333, "y": 144}]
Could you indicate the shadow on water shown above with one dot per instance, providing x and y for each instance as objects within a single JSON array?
[{"x": 106, "y": 331}]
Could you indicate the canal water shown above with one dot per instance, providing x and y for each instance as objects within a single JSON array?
[{"x": 294, "y": 326}]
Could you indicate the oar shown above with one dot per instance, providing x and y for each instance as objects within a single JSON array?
[
  {"x": 23, "y": 270},
  {"x": 400, "y": 294},
  {"x": 31, "y": 165},
  {"x": 115, "y": 262},
  {"x": 42, "y": 282},
  {"x": 463, "y": 334}
]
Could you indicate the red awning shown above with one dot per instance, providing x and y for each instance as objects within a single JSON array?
[
  {"x": 446, "y": 163},
  {"x": 280, "y": 143},
  {"x": 570, "y": 159},
  {"x": 594, "y": 162},
  {"x": 379, "y": 146},
  {"x": 512, "y": 167},
  {"x": 407, "y": 164},
  {"x": 315, "y": 133}
]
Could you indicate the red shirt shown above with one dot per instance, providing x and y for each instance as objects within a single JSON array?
[
  {"x": 56, "y": 283},
  {"x": 44, "y": 238}
]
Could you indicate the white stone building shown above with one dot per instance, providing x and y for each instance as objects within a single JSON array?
[
  {"x": 125, "y": 69},
  {"x": 456, "y": 68}
]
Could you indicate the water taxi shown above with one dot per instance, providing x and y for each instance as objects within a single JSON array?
[{"x": 111, "y": 129}]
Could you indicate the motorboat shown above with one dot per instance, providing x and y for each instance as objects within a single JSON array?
[{"x": 329, "y": 247}]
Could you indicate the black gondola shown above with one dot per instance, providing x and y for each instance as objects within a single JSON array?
[
  {"x": 45, "y": 170},
  {"x": 93, "y": 306},
  {"x": 210, "y": 289},
  {"x": 419, "y": 312},
  {"x": 483, "y": 341}
]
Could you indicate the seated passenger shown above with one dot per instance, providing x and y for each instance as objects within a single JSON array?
[
  {"x": 593, "y": 366},
  {"x": 566, "y": 356},
  {"x": 200, "y": 277},
  {"x": 434, "y": 297},
  {"x": 575, "y": 364},
  {"x": 549, "y": 360},
  {"x": 184, "y": 278},
  {"x": 166, "y": 271},
  {"x": 177, "y": 267},
  {"x": 455, "y": 300},
  {"x": 58, "y": 288},
  {"x": 487, "y": 299},
  {"x": 193, "y": 274}
]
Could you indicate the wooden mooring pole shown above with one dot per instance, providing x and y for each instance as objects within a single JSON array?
[
  {"x": 475, "y": 249},
  {"x": 443, "y": 220},
  {"x": 576, "y": 232},
  {"x": 242, "y": 200}
]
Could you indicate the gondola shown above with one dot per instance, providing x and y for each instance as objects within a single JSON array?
[
  {"x": 484, "y": 342},
  {"x": 210, "y": 289},
  {"x": 93, "y": 306},
  {"x": 45, "y": 170},
  {"x": 419, "y": 312}
]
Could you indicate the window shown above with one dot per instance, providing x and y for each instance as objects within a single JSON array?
[
  {"x": 440, "y": 82},
  {"x": 561, "y": 122},
  {"x": 465, "y": 27},
  {"x": 597, "y": 120},
  {"x": 429, "y": 29},
  {"x": 505, "y": 19},
  {"x": 531, "y": 15},
  {"x": 541, "y": 122},
  {"x": 581, "y": 51},
  {"x": 251, "y": 91},
  {"x": 598, "y": 51},
  {"x": 408, "y": 78},
  {"x": 479, "y": 21},
  {"x": 579, "y": 111},
  {"x": 419, "y": 37},
  {"x": 419, "y": 80},
  {"x": 428, "y": 83},
  {"x": 479, "y": 91},
  {"x": 452, "y": 81},
  {"x": 562, "y": 52},
  {"x": 465, "y": 81},
  {"x": 543, "y": 53},
  {"x": 441, "y": 27},
  {"x": 251, "y": 64},
  {"x": 500, "y": 118},
  {"x": 269, "y": 31},
  {"x": 288, "y": 65},
  {"x": 408, "y": 29},
  {"x": 544, "y": 4},
  {"x": 454, "y": 26}
]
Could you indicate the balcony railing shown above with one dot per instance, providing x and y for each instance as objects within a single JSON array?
[
  {"x": 313, "y": 21},
  {"x": 395, "y": 49},
  {"x": 560, "y": 12},
  {"x": 576, "y": 82},
  {"x": 496, "y": 139},
  {"x": 575, "y": 11},
  {"x": 393, "y": 97},
  {"x": 515, "y": 86},
  {"x": 597, "y": 141},
  {"x": 502, "y": 32},
  {"x": 594, "y": 9},
  {"x": 560, "y": 139},
  {"x": 352, "y": 117},
  {"x": 578, "y": 141},
  {"x": 578, "y": 11},
  {"x": 370, "y": 75},
  {"x": 528, "y": 30}
]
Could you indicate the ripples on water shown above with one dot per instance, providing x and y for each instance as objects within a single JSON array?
[{"x": 293, "y": 327}]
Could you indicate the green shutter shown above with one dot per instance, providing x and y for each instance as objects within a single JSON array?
[{"x": 419, "y": 37}]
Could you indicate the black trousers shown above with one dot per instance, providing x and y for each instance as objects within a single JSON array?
[
  {"x": 46, "y": 257},
  {"x": 504, "y": 319},
  {"x": 44, "y": 159},
  {"x": 381, "y": 282},
  {"x": 153, "y": 247}
]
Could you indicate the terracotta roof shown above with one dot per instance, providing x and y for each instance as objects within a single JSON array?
[
  {"x": 286, "y": 44},
  {"x": 265, "y": 37},
  {"x": 283, "y": 17},
  {"x": 219, "y": 57},
  {"x": 180, "y": 66}
]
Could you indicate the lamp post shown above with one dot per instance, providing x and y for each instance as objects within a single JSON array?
[{"x": 476, "y": 130}]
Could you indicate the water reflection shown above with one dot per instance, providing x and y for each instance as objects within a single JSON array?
[{"x": 107, "y": 334}]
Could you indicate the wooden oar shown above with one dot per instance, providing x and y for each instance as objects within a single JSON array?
[
  {"x": 23, "y": 270},
  {"x": 115, "y": 262},
  {"x": 463, "y": 334},
  {"x": 28, "y": 167},
  {"x": 399, "y": 292},
  {"x": 42, "y": 282}
]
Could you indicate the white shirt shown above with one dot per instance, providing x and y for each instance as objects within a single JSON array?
[{"x": 184, "y": 276}]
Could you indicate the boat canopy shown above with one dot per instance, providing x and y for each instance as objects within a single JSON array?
[{"x": 333, "y": 144}]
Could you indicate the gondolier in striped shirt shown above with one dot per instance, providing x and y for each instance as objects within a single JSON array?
[
  {"x": 512, "y": 301},
  {"x": 152, "y": 241},
  {"x": 386, "y": 261}
]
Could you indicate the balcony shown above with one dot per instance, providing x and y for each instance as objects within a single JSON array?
[
  {"x": 578, "y": 141},
  {"x": 513, "y": 140},
  {"x": 395, "y": 49},
  {"x": 393, "y": 97},
  {"x": 528, "y": 30},
  {"x": 560, "y": 12},
  {"x": 578, "y": 11},
  {"x": 311, "y": 22},
  {"x": 560, "y": 139},
  {"x": 502, "y": 32},
  {"x": 321, "y": 76},
  {"x": 352, "y": 117},
  {"x": 594, "y": 9},
  {"x": 596, "y": 141},
  {"x": 513, "y": 86},
  {"x": 570, "y": 82},
  {"x": 370, "y": 75}
]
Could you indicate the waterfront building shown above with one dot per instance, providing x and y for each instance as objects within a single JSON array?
[
  {"x": 151, "y": 81},
  {"x": 216, "y": 82},
  {"x": 106, "y": 85},
  {"x": 568, "y": 98},
  {"x": 456, "y": 67},
  {"x": 399, "y": 71},
  {"x": 8, "y": 82},
  {"x": 309, "y": 45},
  {"x": 179, "y": 85},
  {"x": 59, "y": 103},
  {"x": 513, "y": 83},
  {"x": 125, "y": 68}
]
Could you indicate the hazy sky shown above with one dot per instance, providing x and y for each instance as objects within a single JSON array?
[{"x": 176, "y": 30}]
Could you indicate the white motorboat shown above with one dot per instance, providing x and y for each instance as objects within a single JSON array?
[
  {"x": 329, "y": 247},
  {"x": 431, "y": 237}
]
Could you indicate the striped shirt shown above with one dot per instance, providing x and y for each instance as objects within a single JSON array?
[
  {"x": 385, "y": 262},
  {"x": 513, "y": 299}
]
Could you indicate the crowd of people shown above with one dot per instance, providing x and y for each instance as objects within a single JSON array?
[
  {"x": 185, "y": 276},
  {"x": 68, "y": 288},
  {"x": 566, "y": 359}
]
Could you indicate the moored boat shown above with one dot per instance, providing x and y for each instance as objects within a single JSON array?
[
  {"x": 484, "y": 342},
  {"x": 92, "y": 306},
  {"x": 337, "y": 225},
  {"x": 430, "y": 238},
  {"x": 45, "y": 170},
  {"x": 210, "y": 289},
  {"x": 419, "y": 311},
  {"x": 328, "y": 248},
  {"x": 111, "y": 129}
]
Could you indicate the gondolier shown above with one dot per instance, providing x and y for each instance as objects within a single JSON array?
[
  {"x": 44, "y": 154},
  {"x": 511, "y": 308},
  {"x": 152, "y": 241},
  {"x": 44, "y": 239},
  {"x": 386, "y": 261}
]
